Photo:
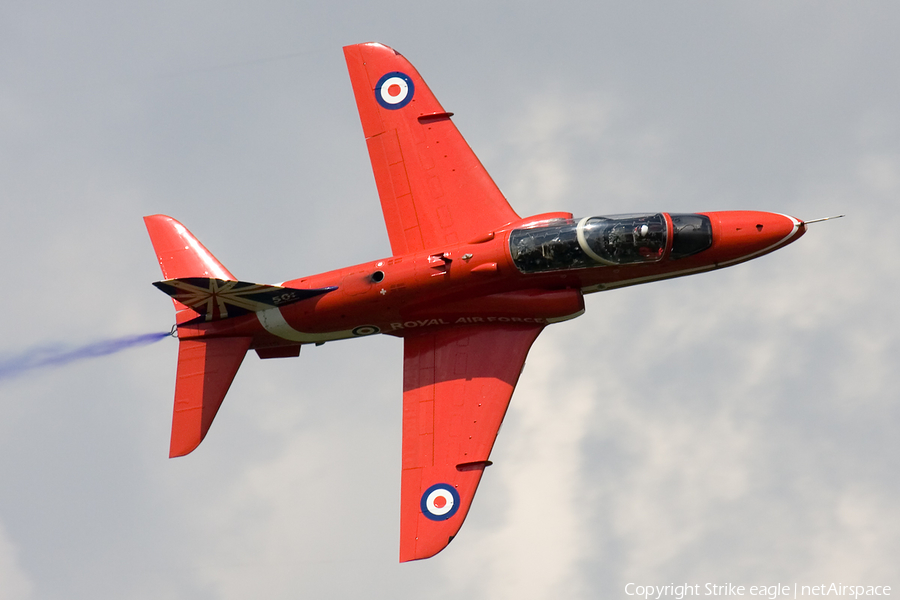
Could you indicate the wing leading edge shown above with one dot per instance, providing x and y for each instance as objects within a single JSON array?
[
  {"x": 433, "y": 189},
  {"x": 457, "y": 383}
]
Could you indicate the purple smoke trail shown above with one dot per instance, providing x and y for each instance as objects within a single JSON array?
[{"x": 57, "y": 356}]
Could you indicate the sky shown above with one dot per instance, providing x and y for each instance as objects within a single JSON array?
[{"x": 731, "y": 427}]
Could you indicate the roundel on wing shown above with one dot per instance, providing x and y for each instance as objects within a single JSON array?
[
  {"x": 394, "y": 90},
  {"x": 440, "y": 502}
]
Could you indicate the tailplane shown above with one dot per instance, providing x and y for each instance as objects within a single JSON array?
[
  {"x": 181, "y": 255},
  {"x": 206, "y": 369},
  {"x": 203, "y": 290}
]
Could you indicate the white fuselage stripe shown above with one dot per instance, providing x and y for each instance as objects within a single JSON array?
[{"x": 273, "y": 321}]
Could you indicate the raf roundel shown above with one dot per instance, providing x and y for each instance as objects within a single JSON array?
[
  {"x": 394, "y": 90},
  {"x": 366, "y": 330},
  {"x": 440, "y": 502}
]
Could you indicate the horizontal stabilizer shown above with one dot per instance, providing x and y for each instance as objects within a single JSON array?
[
  {"x": 216, "y": 299},
  {"x": 206, "y": 369},
  {"x": 180, "y": 254}
]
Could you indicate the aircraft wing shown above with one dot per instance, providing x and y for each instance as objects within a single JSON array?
[
  {"x": 457, "y": 382},
  {"x": 433, "y": 189}
]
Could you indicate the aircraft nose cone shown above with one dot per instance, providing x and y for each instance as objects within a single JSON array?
[{"x": 741, "y": 235}]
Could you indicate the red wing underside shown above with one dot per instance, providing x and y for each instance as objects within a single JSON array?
[
  {"x": 457, "y": 383},
  {"x": 433, "y": 189}
]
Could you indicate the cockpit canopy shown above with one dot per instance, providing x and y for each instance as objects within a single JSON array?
[{"x": 613, "y": 240}]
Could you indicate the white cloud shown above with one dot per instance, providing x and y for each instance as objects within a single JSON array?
[
  {"x": 530, "y": 539},
  {"x": 856, "y": 538}
]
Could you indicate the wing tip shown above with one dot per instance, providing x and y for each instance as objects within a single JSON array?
[
  {"x": 179, "y": 252},
  {"x": 185, "y": 437},
  {"x": 373, "y": 45},
  {"x": 419, "y": 552}
]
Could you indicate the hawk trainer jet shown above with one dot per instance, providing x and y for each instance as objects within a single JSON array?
[{"x": 468, "y": 287}]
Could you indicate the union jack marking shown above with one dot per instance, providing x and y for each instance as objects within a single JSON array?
[{"x": 216, "y": 299}]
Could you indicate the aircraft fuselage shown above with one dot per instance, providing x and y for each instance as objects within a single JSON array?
[{"x": 479, "y": 281}]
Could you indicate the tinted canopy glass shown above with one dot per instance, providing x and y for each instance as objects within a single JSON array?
[
  {"x": 589, "y": 242},
  {"x": 623, "y": 240},
  {"x": 692, "y": 234}
]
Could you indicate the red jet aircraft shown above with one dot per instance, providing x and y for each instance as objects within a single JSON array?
[{"x": 468, "y": 287}]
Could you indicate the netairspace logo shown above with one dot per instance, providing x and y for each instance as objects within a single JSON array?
[{"x": 772, "y": 592}]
